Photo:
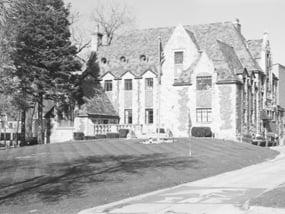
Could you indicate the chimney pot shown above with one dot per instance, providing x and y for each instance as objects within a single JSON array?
[{"x": 237, "y": 25}]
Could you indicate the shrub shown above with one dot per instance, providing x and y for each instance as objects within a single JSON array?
[
  {"x": 112, "y": 135},
  {"x": 123, "y": 133},
  {"x": 270, "y": 143},
  {"x": 201, "y": 132},
  {"x": 100, "y": 136},
  {"x": 29, "y": 141},
  {"x": 89, "y": 137},
  {"x": 78, "y": 135},
  {"x": 247, "y": 138}
]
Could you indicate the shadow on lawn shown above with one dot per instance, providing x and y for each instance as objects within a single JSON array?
[{"x": 72, "y": 179}]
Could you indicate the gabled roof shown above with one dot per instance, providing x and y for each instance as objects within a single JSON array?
[
  {"x": 255, "y": 47},
  {"x": 282, "y": 68},
  {"x": 191, "y": 35},
  {"x": 98, "y": 105},
  {"x": 133, "y": 44},
  {"x": 208, "y": 34},
  {"x": 232, "y": 63}
]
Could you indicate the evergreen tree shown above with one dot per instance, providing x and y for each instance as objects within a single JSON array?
[
  {"x": 12, "y": 99},
  {"x": 44, "y": 56}
]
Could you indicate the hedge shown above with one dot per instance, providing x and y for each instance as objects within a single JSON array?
[
  {"x": 100, "y": 136},
  {"x": 89, "y": 138},
  {"x": 123, "y": 133},
  {"x": 112, "y": 135},
  {"x": 78, "y": 135},
  {"x": 201, "y": 132}
]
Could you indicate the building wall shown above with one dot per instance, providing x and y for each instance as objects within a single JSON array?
[
  {"x": 226, "y": 118},
  {"x": 178, "y": 103},
  {"x": 281, "y": 86}
]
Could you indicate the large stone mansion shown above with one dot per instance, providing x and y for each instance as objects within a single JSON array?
[{"x": 211, "y": 76}]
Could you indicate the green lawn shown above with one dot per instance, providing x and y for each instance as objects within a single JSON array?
[
  {"x": 274, "y": 198},
  {"x": 68, "y": 177}
]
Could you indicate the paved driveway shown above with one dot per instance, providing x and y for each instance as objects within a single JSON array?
[{"x": 225, "y": 193}]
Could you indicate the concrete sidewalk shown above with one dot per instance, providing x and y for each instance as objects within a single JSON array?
[{"x": 225, "y": 193}]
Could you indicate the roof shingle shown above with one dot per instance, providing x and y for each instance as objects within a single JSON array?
[
  {"x": 255, "y": 47},
  {"x": 230, "y": 55}
]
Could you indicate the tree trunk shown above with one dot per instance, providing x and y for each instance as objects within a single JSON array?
[
  {"x": 40, "y": 120},
  {"x": 23, "y": 126},
  {"x": 17, "y": 129}
]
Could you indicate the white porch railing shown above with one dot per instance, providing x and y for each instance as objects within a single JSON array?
[{"x": 111, "y": 128}]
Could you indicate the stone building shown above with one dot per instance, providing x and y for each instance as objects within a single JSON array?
[
  {"x": 212, "y": 76},
  {"x": 279, "y": 73}
]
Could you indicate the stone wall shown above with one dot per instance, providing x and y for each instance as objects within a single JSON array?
[{"x": 226, "y": 117}]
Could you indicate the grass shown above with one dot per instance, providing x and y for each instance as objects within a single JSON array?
[
  {"x": 274, "y": 198},
  {"x": 69, "y": 177}
]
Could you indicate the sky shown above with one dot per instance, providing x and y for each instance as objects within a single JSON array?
[{"x": 256, "y": 16}]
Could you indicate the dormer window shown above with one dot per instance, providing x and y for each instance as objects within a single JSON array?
[
  {"x": 178, "y": 57},
  {"x": 142, "y": 58},
  {"x": 204, "y": 83},
  {"x": 128, "y": 84},
  {"x": 149, "y": 83},
  {"x": 178, "y": 64},
  {"x": 123, "y": 59},
  {"x": 108, "y": 85},
  {"x": 103, "y": 60}
]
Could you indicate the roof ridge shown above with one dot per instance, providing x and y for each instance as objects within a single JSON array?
[
  {"x": 226, "y": 57},
  {"x": 219, "y": 41},
  {"x": 173, "y": 26},
  {"x": 193, "y": 38},
  {"x": 254, "y": 40}
]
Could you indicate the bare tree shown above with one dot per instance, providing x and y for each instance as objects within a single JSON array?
[
  {"x": 112, "y": 18},
  {"x": 79, "y": 35}
]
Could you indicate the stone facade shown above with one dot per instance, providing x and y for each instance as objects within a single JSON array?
[{"x": 211, "y": 77}]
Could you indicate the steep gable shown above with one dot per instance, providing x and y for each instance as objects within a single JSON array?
[
  {"x": 255, "y": 47},
  {"x": 232, "y": 62},
  {"x": 208, "y": 34}
]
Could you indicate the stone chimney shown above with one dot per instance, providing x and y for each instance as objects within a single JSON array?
[
  {"x": 237, "y": 25},
  {"x": 96, "y": 40},
  {"x": 265, "y": 36}
]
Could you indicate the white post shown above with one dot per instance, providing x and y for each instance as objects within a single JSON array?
[
  {"x": 189, "y": 132},
  {"x": 158, "y": 90},
  {"x": 158, "y": 113}
]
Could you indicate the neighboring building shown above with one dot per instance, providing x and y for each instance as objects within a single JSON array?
[
  {"x": 279, "y": 73},
  {"x": 8, "y": 128},
  {"x": 212, "y": 76}
]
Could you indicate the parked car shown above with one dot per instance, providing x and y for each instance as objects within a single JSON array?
[
  {"x": 259, "y": 141},
  {"x": 165, "y": 135}
]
